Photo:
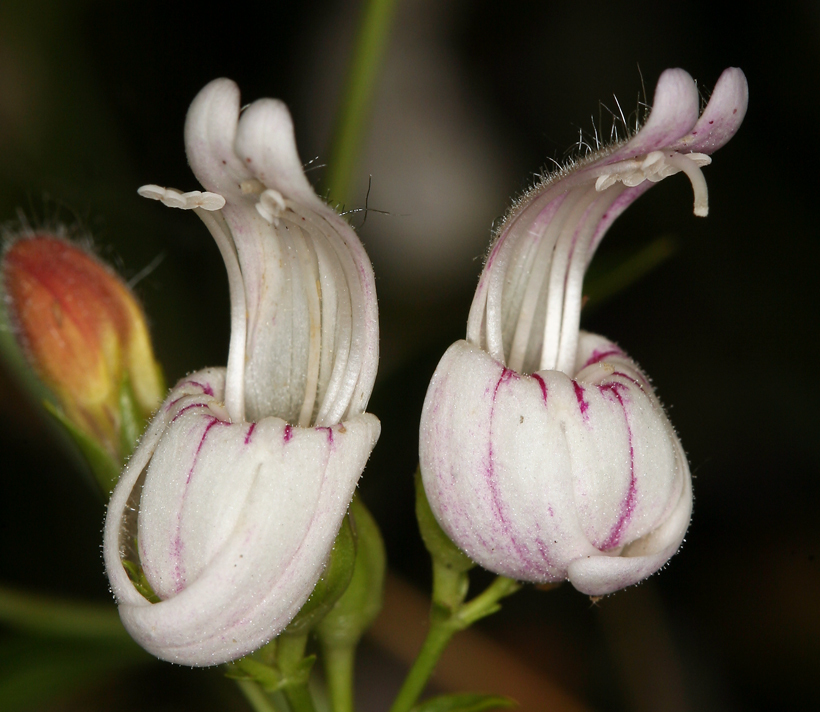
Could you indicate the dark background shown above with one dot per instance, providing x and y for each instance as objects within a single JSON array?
[{"x": 473, "y": 99}]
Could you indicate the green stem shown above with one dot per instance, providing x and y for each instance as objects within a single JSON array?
[
  {"x": 446, "y": 621},
  {"x": 438, "y": 637},
  {"x": 486, "y": 602},
  {"x": 299, "y": 698},
  {"x": 371, "y": 42},
  {"x": 339, "y": 662},
  {"x": 257, "y": 698},
  {"x": 290, "y": 654}
]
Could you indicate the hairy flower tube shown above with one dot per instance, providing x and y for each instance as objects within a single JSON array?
[
  {"x": 231, "y": 503},
  {"x": 545, "y": 453},
  {"x": 82, "y": 331}
]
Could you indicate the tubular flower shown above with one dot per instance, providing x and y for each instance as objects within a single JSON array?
[
  {"x": 231, "y": 503},
  {"x": 544, "y": 451}
]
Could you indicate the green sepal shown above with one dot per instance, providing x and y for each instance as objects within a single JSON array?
[
  {"x": 137, "y": 576},
  {"x": 104, "y": 467},
  {"x": 361, "y": 603},
  {"x": 270, "y": 678},
  {"x": 334, "y": 582},
  {"x": 469, "y": 702},
  {"x": 132, "y": 419},
  {"x": 439, "y": 545}
]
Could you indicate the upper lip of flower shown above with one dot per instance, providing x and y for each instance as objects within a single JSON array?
[
  {"x": 534, "y": 271},
  {"x": 304, "y": 324}
]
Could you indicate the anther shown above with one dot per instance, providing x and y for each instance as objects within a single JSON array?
[
  {"x": 173, "y": 198},
  {"x": 656, "y": 166},
  {"x": 271, "y": 206}
]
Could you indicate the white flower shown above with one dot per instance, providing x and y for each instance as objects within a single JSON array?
[
  {"x": 239, "y": 486},
  {"x": 544, "y": 451}
]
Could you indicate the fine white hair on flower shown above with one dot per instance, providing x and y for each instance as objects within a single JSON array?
[
  {"x": 245, "y": 474},
  {"x": 545, "y": 453},
  {"x": 586, "y": 196}
]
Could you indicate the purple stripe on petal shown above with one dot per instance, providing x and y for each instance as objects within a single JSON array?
[
  {"x": 187, "y": 408},
  {"x": 172, "y": 403},
  {"x": 288, "y": 434},
  {"x": 579, "y": 396},
  {"x": 628, "y": 504},
  {"x": 543, "y": 385},
  {"x": 204, "y": 387},
  {"x": 642, "y": 385},
  {"x": 249, "y": 433},
  {"x": 600, "y": 354}
]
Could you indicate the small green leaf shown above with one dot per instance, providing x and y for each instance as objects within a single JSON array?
[
  {"x": 104, "y": 468},
  {"x": 465, "y": 702},
  {"x": 269, "y": 677},
  {"x": 247, "y": 668}
]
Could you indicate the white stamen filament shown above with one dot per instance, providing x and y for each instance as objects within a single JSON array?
[
  {"x": 172, "y": 198},
  {"x": 656, "y": 166},
  {"x": 271, "y": 206}
]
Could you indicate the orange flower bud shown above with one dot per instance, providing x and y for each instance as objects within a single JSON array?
[{"x": 83, "y": 333}]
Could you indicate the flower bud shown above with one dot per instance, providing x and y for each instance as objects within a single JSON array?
[
  {"x": 544, "y": 451},
  {"x": 83, "y": 333}
]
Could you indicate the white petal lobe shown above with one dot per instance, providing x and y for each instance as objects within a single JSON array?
[{"x": 235, "y": 524}]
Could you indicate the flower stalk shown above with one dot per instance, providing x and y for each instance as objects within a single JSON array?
[
  {"x": 446, "y": 619},
  {"x": 449, "y": 613},
  {"x": 371, "y": 43}
]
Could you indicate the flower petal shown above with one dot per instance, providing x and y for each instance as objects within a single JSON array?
[
  {"x": 247, "y": 577},
  {"x": 266, "y": 145},
  {"x": 205, "y": 382},
  {"x": 210, "y": 133},
  {"x": 497, "y": 468},
  {"x": 722, "y": 116},
  {"x": 675, "y": 109},
  {"x": 531, "y": 474},
  {"x": 599, "y": 576}
]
